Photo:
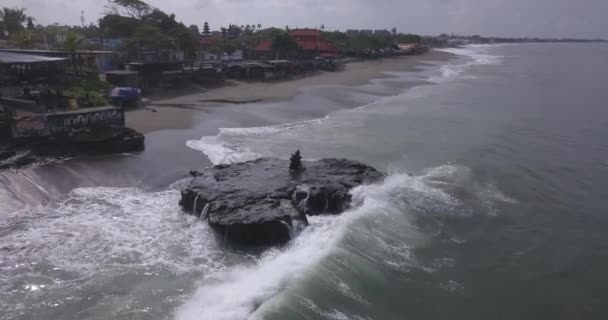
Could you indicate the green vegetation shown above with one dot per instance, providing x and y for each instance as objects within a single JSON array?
[
  {"x": 360, "y": 42},
  {"x": 25, "y": 39},
  {"x": 284, "y": 45},
  {"x": 12, "y": 20},
  {"x": 147, "y": 28},
  {"x": 144, "y": 28},
  {"x": 72, "y": 41},
  {"x": 90, "y": 92}
]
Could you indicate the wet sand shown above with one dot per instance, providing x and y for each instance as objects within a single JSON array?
[{"x": 180, "y": 112}]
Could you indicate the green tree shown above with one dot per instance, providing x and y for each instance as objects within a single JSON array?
[
  {"x": 24, "y": 39},
  {"x": 72, "y": 42},
  {"x": 13, "y": 19},
  {"x": 337, "y": 38},
  {"x": 151, "y": 37},
  {"x": 114, "y": 25},
  {"x": 194, "y": 31},
  {"x": 130, "y": 8},
  {"x": 284, "y": 45}
]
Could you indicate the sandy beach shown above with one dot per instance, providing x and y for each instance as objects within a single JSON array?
[{"x": 179, "y": 112}]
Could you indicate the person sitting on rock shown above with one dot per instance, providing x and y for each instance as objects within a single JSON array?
[{"x": 295, "y": 162}]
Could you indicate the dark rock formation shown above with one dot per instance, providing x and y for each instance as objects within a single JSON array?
[
  {"x": 14, "y": 160},
  {"x": 261, "y": 202}
]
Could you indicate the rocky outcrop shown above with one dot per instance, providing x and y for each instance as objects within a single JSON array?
[{"x": 263, "y": 203}]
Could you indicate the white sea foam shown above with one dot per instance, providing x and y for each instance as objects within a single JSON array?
[
  {"x": 219, "y": 151},
  {"x": 99, "y": 228},
  {"x": 238, "y": 292},
  {"x": 478, "y": 55}
]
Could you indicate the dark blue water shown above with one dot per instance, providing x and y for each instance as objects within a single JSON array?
[{"x": 494, "y": 207}]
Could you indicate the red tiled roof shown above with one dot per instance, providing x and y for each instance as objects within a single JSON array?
[
  {"x": 206, "y": 40},
  {"x": 265, "y": 45},
  {"x": 305, "y": 32},
  {"x": 305, "y": 43},
  {"x": 311, "y": 44}
]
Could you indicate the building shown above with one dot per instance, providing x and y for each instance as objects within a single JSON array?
[
  {"x": 311, "y": 43},
  {"x": 82, "y": 60},
  {"x": 382, "y": 33},
  {"x": 352, "y": 33},
  {"x": 16, "y": 68},
  {"x": 367, "y": 33},
  {"x": 221, "y": 56},
  {"x": 207, "y": 41}
]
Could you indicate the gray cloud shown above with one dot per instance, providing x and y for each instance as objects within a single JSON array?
[{"x": 545, "y": 18}]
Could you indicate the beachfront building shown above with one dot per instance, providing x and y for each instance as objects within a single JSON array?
[
  {"x": 79, "y": 62},
  {"x": 16, "y": 68},
  {"x": 311, "y": 43}
]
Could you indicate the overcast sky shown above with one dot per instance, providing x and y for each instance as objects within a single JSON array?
[{"x": 543, "y": 18}]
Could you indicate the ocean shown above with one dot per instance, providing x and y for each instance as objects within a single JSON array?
[{"x": 493, "y": 207}]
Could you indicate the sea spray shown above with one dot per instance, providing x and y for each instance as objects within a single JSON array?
[{"x": 240, "y": 291}]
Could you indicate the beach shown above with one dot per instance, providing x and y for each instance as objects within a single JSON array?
[{"x": 178, "y": 112}]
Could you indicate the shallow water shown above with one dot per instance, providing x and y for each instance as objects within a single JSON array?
[{"x": 494, "y": 207}]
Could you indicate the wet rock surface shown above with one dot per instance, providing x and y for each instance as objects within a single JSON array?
[{"x": 263, "y": 203}]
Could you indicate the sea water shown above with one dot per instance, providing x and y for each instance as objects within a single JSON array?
[{"x": 493, "y": 207}]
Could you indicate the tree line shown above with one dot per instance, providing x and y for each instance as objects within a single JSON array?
[{"x": 142, "y": 27}]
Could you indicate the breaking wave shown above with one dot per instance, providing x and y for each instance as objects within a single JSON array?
[
  {"x": 253, "y": 290},
  {"x": 478, "y": 55},
  {"x": 93, "y": 238}
]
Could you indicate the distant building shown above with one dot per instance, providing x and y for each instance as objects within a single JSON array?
[
  {"x": 211, "y": 56},
  {"x": 206, "y": 41},
  {"x": 310, "y": 41},
  {"x": 352, "y": 33},
  {"x": 368, "y": 33},
  {"x": 382, "y": 33}
]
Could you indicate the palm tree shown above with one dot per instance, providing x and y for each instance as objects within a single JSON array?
[
  {"x": 72, "y": 41},
  {"x": 71, "y": 44},
  {"x": 13, "y": 19}
]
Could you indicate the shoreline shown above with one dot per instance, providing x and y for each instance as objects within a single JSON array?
[{"x": 177, "y": 111}]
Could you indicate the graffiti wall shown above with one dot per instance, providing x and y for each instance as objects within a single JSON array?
[
  {"x": 72, "y": 122},
  {"x": 29, "y": 125},
  {"x": 32, "y": 125}
]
